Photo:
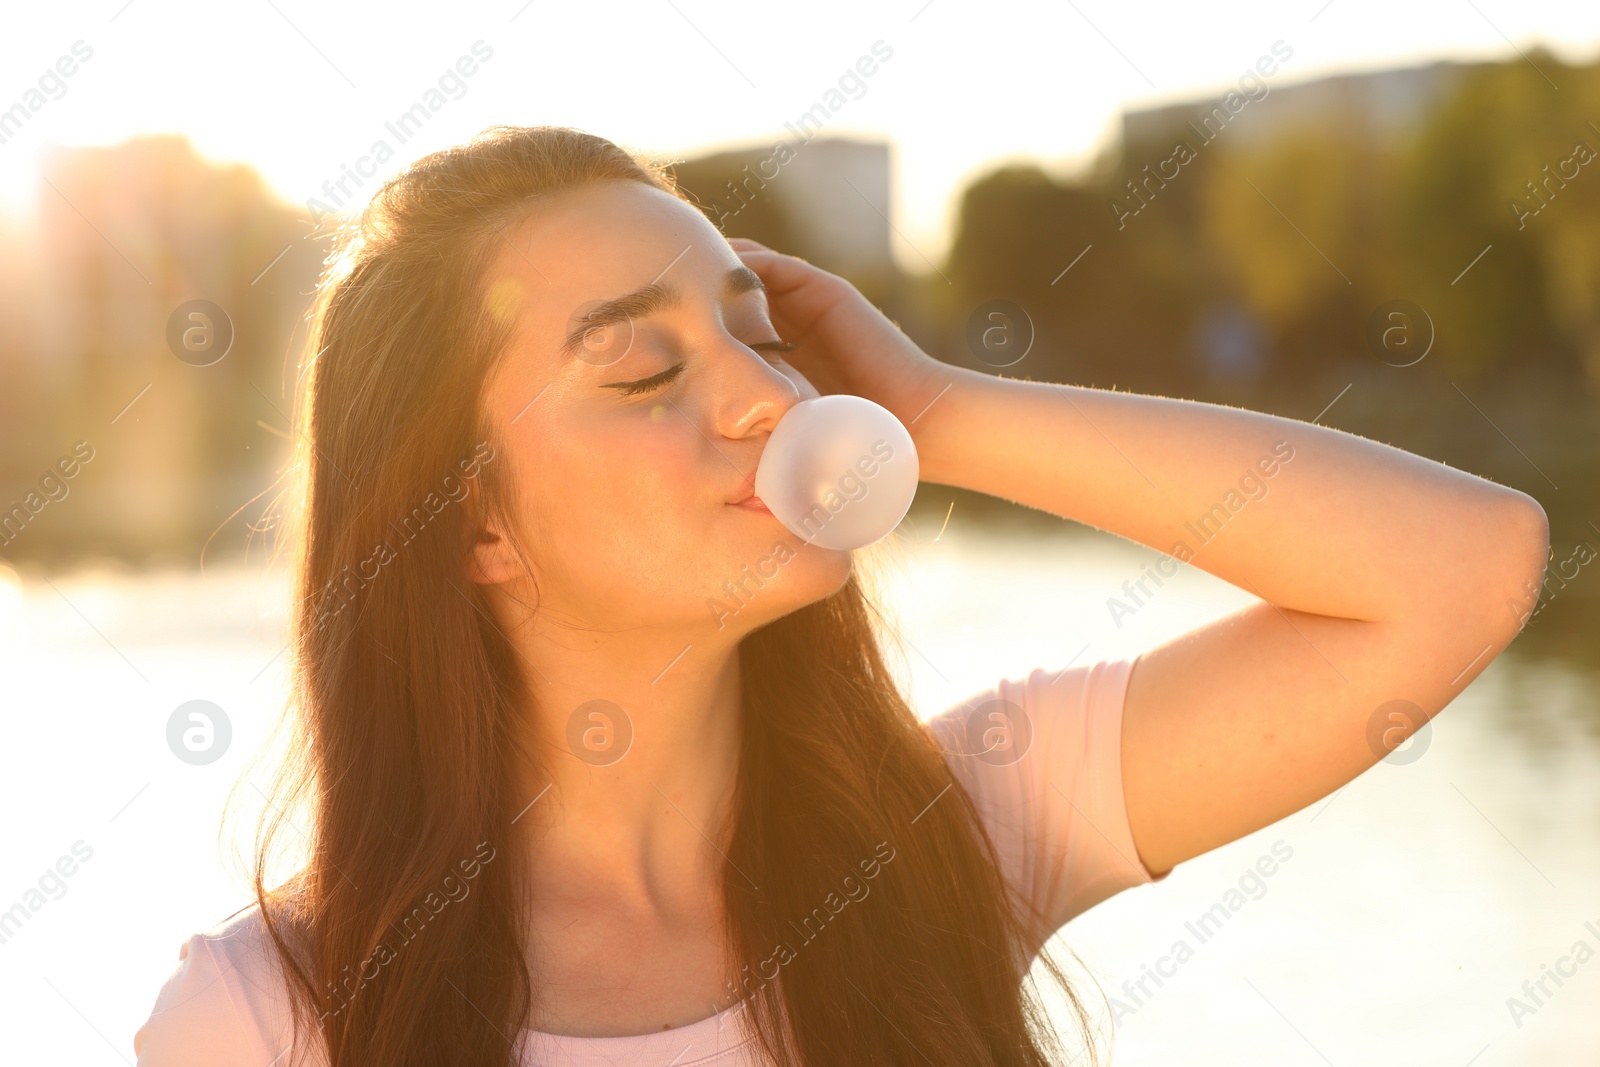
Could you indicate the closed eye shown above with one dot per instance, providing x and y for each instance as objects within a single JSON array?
[{"x": 644, "y": 385}]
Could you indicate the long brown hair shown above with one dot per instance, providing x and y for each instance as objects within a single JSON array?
[{"x": 402, "y": 935}]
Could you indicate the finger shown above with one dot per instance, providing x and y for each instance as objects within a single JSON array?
[
  {"x": 750, "y": 247},
  {"x": 783, "y": 273},
  {"x": 798, "y": 294}
]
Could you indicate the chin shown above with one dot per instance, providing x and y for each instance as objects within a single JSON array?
[{"x": 784, "y": 579}]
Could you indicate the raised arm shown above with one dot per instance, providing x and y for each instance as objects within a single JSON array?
[{"x": 1383, "y": 576}]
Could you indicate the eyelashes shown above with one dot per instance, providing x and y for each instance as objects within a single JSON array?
[{"x": 645, "y": 385}]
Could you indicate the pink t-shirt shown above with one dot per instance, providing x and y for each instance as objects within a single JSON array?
[{"x": 1056, "y": 814}]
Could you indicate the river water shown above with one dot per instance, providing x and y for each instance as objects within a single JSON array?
[{"x": 1416, "y": 901}]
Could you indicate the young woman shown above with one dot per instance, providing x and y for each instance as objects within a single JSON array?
[{"x": 569, "y": 800}]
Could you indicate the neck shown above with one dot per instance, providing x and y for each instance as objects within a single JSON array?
[{"x": 635, "y": 746}]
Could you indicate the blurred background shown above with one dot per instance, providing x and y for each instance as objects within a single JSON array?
[{"x": 1385, "y": 220}]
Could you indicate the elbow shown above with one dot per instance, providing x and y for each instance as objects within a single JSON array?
[
  {"x": 1520, "y": 554},
  {"x": 1531, "y": 538}
]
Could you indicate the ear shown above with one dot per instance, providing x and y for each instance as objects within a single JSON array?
[{"x": 490, "y": 558}]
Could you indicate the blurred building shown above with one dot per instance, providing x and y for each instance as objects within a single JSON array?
[
  {"x": 1386, "y": 102},
  {"x": 122, "y": 237},
  {"x": 826, "y": 200}
]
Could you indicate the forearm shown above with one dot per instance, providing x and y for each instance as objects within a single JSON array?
[{"x": 1304, "y": 516}]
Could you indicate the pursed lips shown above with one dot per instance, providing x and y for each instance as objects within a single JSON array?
[{"x": 746, "y": 498}]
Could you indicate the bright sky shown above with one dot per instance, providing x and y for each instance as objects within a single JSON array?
[{"x": 302, "y": 88}]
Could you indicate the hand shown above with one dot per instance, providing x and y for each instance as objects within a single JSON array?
[{"x": 843, "y": 343}]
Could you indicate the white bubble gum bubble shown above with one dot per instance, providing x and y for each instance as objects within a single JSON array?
[{"x": 838, "y": 471}]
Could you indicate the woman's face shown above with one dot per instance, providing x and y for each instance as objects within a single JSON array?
[{"x": 627, "y": 431}]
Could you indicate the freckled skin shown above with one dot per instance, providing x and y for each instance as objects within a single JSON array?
[{"x": 623, "y": 498}]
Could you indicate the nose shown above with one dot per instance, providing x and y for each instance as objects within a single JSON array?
[{"x": 752, "y": 394}]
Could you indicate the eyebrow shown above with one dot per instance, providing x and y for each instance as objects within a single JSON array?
[{"x": 646, "y": 301}]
